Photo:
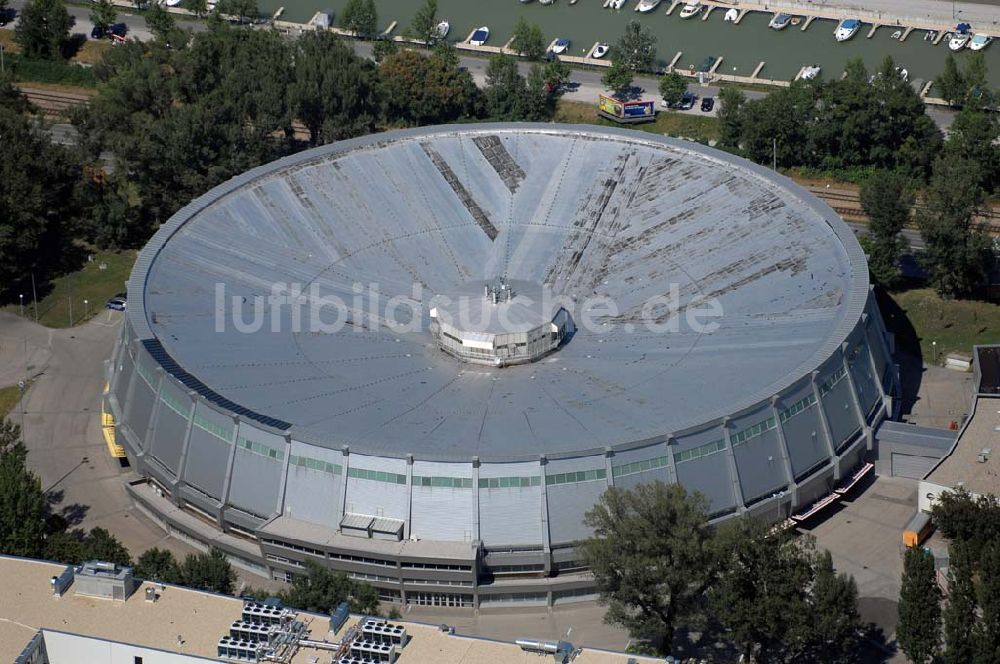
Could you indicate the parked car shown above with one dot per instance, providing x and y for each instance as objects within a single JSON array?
[
  {"x": 119, "y": 30},
  {"x": 685, "y": 104},
  {"x": 97, "y": 32},
  {"x": 707, "y": 104},
  {"x": 116, "y": 303}
]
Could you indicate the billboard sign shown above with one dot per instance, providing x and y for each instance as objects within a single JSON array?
[{"x": 626, "y": 109}]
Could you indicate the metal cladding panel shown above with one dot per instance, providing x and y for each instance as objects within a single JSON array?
[
  {"x": 803, "y": 432},
  {"x": 594, "y": 462},
  {"x": 375, "y": 497},
  {"x": 875, "y": 341},
  {"x": 694, "y": 440},
  {"x": 208, "y": 452},
  {"x": 510, "y": 515},
  {"x": 257, "y": 468},
  {"x": 710, "y": 477},
  {"x": 840, "y": 412},
  {"x": 759, "y": 461},
  {"x": 441, "y": 513},
  {"x": 124, "y": 370},
  {"x": 760, "y": 465},
  {"x": 644, "y": 477},
  {"x": 171, "y": 424},
  {"x": 139, "y": 410},
  {"x": 639, "y": 454},
  {"x": 312, "y": 487},
  {"x": 567, "y": 505},
  {"x": 864, "y": 381}
]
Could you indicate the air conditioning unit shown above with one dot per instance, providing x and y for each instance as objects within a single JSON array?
[{"x": 984, "y": 454}]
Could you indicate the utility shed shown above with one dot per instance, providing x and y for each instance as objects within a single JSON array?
[
  {"x": 105, "y": 580},
  {"x": 908, "y": 450}
]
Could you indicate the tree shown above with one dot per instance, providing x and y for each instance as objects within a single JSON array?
[
  {"x": 158, "y": 565},
  {"x": 43, "y": 27},
  {"x": 556, "y": 74},
  {"x": 528, "y": 39},
  {"x": 636, "y": 49},
  {"x": 160, "y": 22},
  {"x": 241, "y": 9},
  {"x": 672, "y": 88},
  {"x": 22, "y": 503},
  {"x": 99, "y": 544},
  {"x": 618, "y": 78},
  {"x": 208, "y": 571},
  {"x": 197, "y": 7},
  {"x": 382, "y": 49},
  {"x": 956, "y": 253},
  {"x": 950, "y": 84},
  {"x": 987, "y": 630},
  {"x": 334, "y": 93},
  {"x": 731, "y": 102},
  {"x": 919, "y": 628},
  {"x": 360, "y": 17},
  {"x": 967, "y": 520},
  {"x": 973, "y": 135},
  {"x": 425, "y": 22},
  {"x": 834, "y": 615},
  {"x": 887, "y": 199},
  {"x": 506, "y": 91},
  {"x": 321, "y": 590},
  {"x": 652, "y": 559},
  {"x": 761, "y": 597},
  {"x": 960, "y": 610},
  {"x": 104, "y": 14},
  {"x": 64, "y": 547},
  {"x": 420, "y": 89}
]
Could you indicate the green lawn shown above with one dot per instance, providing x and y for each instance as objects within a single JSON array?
[
  {"x": 921, "y": 317},
  {"x": 699, "y": 128},
  {"x": 9, "y": 396},
  {"x": 91, "y": 283}
]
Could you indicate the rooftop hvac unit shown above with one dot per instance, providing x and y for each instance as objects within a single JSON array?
[
  {"x": 984, "y": 454},
  {"x": 378, "y": 652},
  {"x": 237, "y": 649},
  {"x": 383, "y": 632},
  {"x": 62, "y": 582},
  {"x": 339, "y": 617},
  {"x": 150, "y": 593}
]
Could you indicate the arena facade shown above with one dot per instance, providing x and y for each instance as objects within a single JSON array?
[{"x": 450, "y": 462}]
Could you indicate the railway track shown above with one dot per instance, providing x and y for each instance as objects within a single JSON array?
[
  {"x": 54, "y": 103},
  {"x": 848, "y": 204}
]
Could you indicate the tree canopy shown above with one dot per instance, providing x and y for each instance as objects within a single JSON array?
[
  {"x": 528, "y": 39},
  {"x": 635, "y": 49},
  {"x": 42, "y": 28},
  {"x": 919, "y": 628},
  {"x": 360, "y": 17},
  {"x": 321, "y": 590},
  {"x": 887, "y": 199}
]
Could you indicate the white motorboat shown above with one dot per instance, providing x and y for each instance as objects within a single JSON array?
[
  {"x": 847, "y": 29},
  {"x": 731, "y": 15},
  {"x": 979, "y": 42},
  {"x": 480, "y": 36},
  {"x": 898, "y": 34},
  {"x": 600, "y": 50},
  {"x": 691, "y": 9},
  {"x": 171, "y": 3},
  {"x": 780, "y": 21},
  {"x": 616, "y": 4},
  {"x": 442, "y": 29},
  {"x": 561, "y": 46},
  {"x": 645, "y": 6},
  {"x": 930, "y": 35},
  {"x": 545, "y": 2},
  {"x": 959, "y": 41},
  {"x": 810, "y": 72}
]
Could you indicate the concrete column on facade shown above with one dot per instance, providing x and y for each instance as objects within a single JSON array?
[
  {"x": 475, "y": 499},
  {"x": 138, "y": 446},
  {"x": 280, "y": 507},
  {"x": 670, "y": 443},
  {"x": 227, "y": 481},
  {"x": 825, "y": 425},
  {"x": 409, "y": 495},
  {"x": 546, "y": 537},
  {"x": 182, "y": 464},
  {"x": 734, "y": 471},
  {"x": 786, "y": 457},
  {"x": 609, "y": 455},
  {"x": 342, "y": 503},
  {"x": 858, "y": 410}
]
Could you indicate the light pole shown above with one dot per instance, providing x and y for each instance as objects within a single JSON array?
[
  {"x": 86, "y": 311},
  {"x": 21, "y": 297},
  {"x": 1, "y": 57},
  {"x": 934, "y": 346}
]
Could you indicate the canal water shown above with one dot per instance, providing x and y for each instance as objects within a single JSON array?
[{"x": 742, "y": 46}]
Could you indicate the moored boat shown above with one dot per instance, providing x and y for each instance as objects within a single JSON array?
[
  {"x": 691, "y": 9},
  {"x": 480, "y": 36},
  {"x": 979, "y": 42},
  {"x": 780, "y": 21},
  {"x": 731, "y": 15},
  {"x": 442, "y": 29},
  {"x": 846, "y": 29},
  {"x": 645, "y": 6},
  {"x": 810, "y": 72},
  {"x": 561, "y": 46},
  {"x": 600, "y": 50}
]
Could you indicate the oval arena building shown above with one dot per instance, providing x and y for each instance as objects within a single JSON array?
[{"x": 421, "y": 356}]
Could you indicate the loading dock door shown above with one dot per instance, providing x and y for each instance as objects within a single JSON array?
[{"x": 912, "y": 466}]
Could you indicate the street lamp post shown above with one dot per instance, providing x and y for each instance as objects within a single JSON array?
[
  {"x": 934, "y": 346},
  {"x": 86, "y": 311},
  {"x": 21, "y": 297}
]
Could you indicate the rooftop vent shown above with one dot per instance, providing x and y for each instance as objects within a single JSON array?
[
  {"x": 97, "y": 578},
  {"x": 984, "y": 454}
]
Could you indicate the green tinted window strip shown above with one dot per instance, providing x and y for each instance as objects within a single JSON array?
[
  {"x": 316, "y": 464},
  {"x": 752, "y": 432},
  {"x": 509, "y": 482},
  {"x": 174, "y": 405},
  {"x": 225, "y": 433},
  {"x": 376, "y": 476},
  {"x": 638, "y": 466},
  {"x": 802, "y": 404},
  {"x": 707, "y": 449},
  {"x": 262, "y": 450},
  {"x": 443, "y": 482},
  {"x": 575, "y": 477}
]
